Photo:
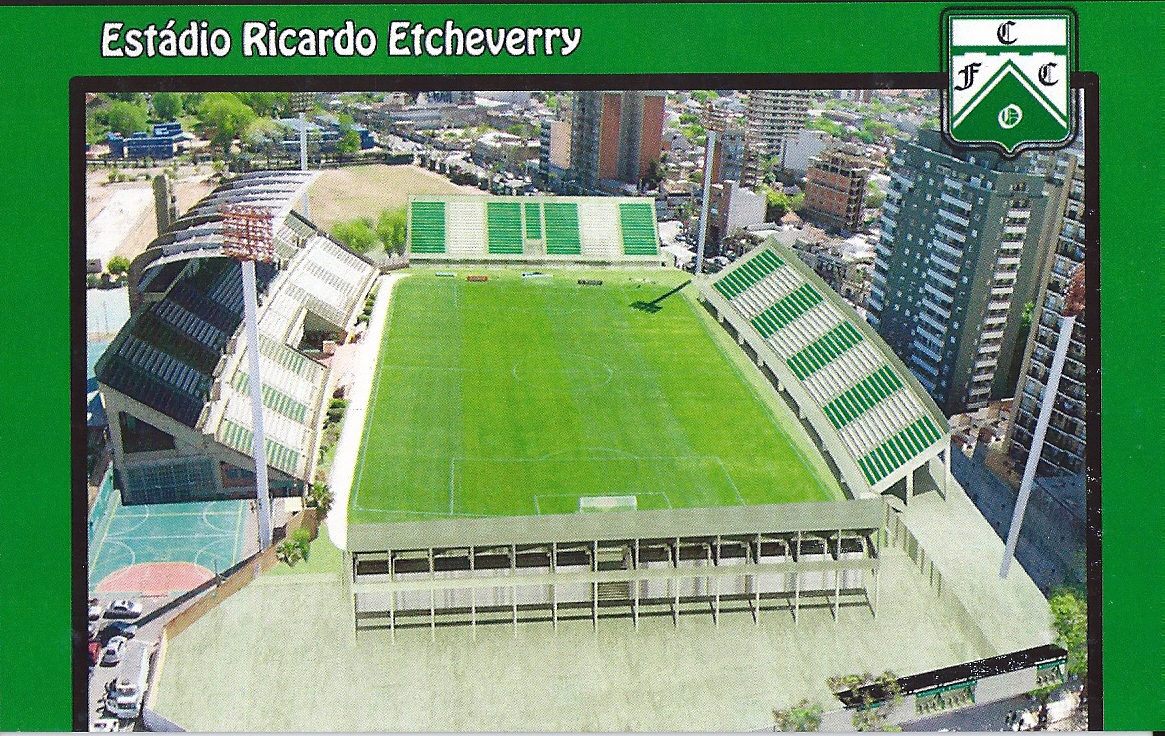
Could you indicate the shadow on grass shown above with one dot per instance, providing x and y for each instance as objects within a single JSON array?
[{"x": 652, "y": 306}]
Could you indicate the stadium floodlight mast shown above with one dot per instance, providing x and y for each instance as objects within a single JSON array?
[
  {"x": 247, "y": 237},
  {"x": 1073, "y": 306},
  {"x": 301, "y": 103},
  {"x": 714, "y": 121}
]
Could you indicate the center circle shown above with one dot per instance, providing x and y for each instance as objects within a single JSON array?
[{"x": 577, "y": 372}]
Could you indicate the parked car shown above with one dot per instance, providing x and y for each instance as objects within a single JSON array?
[
  {"x": 118, "y": 628},
  {"x": 113, "y": 650},
  {"x": 92, "y": 630},
  {"x": 124, "y": 608},
  {"x": 94, "y": 652},
  {"x": 105, "y": 725},
  {"x": 94, "y": 609}
]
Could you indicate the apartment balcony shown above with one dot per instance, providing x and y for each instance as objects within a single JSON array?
[
  {"x": 1008, "y": 261},
  {"x": 1019, "y": 212},
  {"x": 878, "y": 276},
  {"x": 956, "y": 202},
  {"x": 998, "y": 306},
  {"x": 948, "y": 215},
  {"x": 947, "y": 249},
  {"x": 942, "y": 296},
  {"x": 942, "y": 312},
  {"x": 992, "y": 335},
  {"x": 952, "y": 234},
  {"x": 906, "y": 183},
  {"x": 927, "y": 367},
  {"x": 950, "y": 284},
  {"x": 928, "y": 332},
  {"x": 935, "y": 258},
  {"x": 1006, "y": 277},
  {"x": 939, "y": 328},
  {"x": 1014, "y": 229},
  {"x": 983, "y": 363}
]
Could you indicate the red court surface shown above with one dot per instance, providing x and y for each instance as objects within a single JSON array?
[{"x": 155, "y": 578}]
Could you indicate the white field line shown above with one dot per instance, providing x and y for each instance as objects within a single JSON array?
[{"x": 348, "y": 447}]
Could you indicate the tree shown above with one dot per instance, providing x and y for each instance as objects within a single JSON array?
[
  {"x": 356, "y": 234},
  {"x": 1070, "y": 622},
  {"x": 349, "y": 142},
  {"x": 874, "y": 196},
  {"x": 301, "y": 538},
  {"x": 323, "y": 498},
  {"x": 871, "y": 714},
  {"x": 118, "y": 265},
  {"x": 391, "y": 228},
  {"x": 803, "y": 716},
  {"x": 289, "y": 552},
  {"x": 167, "y": 105},
  {"x": 265, "y": 104},
  {"x": 224, "y": 116},
  {"x": 126, "y": 118}
]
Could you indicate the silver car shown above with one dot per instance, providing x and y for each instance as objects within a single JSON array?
[{"x": 113, "y": 650}]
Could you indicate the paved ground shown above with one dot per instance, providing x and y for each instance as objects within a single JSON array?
[
  {"x": 1046, "y": 551},
  {"x": 308, "y": 673},
  {"x": 1062, "y": 715}
]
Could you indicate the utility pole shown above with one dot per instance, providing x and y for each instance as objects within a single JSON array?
[{"x": 1073, "y": 306}]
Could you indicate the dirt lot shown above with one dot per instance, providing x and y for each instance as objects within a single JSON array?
[
  {"x": 191, "y": 185},
  {"x": 365, "y": 191}
]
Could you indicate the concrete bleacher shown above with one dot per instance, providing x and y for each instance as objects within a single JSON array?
[
  {"x": 182, "y": 360},
  {"x": 878, "y": 415},
  {"x": 532, "y": 229}
]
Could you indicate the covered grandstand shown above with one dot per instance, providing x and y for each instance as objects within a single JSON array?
[
  {"x": 532, "y": 230},
  {"x": 869, "y": 415},
  {"x": 174, "y": 379}
]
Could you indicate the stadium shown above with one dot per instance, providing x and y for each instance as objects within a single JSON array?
[
  {"x": 571, "y": 463},
  {"x": 549, "y": 432}
]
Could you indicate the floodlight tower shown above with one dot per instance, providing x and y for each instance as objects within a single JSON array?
[
  {"x": 1073, "y": 306},
  {"x": 247, "y": 237},
  {"x": 714, "y": 122},
  {"x": 301, "y": 103}
]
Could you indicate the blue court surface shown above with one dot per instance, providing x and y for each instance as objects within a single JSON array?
[{"x": 210, "y": 534}]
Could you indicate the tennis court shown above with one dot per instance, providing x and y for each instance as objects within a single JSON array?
[{"x": 162, "y": 548}]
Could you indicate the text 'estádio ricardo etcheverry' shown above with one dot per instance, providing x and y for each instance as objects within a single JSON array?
[{"x": 268, "y": 38}]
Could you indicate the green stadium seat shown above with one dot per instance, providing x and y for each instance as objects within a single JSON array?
[
  {"x": 786, "y": 310},
  {"x": 638, "y": 223},
  {"x": 748, "y": 273},
  {"x": 561, "y": 223},
  {"x": 427, "y": 227},
  {"x": 899, "y": 449},
  {"x": 816, "y": 355},
  {"x": 862, "y": 397},
  {"x": 504, "y": 225},
  {"x": 533, "y": 221}
]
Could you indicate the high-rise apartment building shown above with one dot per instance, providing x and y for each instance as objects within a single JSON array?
[
  {"x": 728, "y": 156},
  {"x": 835, "y": 188},
  {"x": 614, "y": 136},
  {"x": 962, "y": 246},
  {"x": 1063, "y": 452},
  {"x": 772, "y": 116}
]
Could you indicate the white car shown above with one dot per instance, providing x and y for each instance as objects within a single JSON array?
[
  {"x": 113, "y": 650},
  {"x": 104, "y": 725},
  {"x": 124, "y": 608},
  {"x": 94, "y": 609}
]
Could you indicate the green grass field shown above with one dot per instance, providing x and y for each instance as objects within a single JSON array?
[{"x": 519, "y": 396}]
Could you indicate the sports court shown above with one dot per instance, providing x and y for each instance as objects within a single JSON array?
[
  {"x": 533, "y": 394},
  {"x": 161, "y": 548}
]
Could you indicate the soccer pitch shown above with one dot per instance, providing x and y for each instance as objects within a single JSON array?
[{"x": 519, "y": 396}]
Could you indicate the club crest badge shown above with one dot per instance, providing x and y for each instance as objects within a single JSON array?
[{"x": 1009, "y": 79}]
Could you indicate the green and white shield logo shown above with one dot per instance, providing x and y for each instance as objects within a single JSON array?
[{"x": 1009, "y": 79}]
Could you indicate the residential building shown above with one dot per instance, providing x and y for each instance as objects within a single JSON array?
[
  {"x": 960, "y": 253},
  {"x": 1063, "y": 452},
  {"x": 728, "y": 156},
  {"x": 731, "y": 208},
  {"x": 802, "y": 147},
  {"x": 835, "y": 188},
  {"x": 614, "y": 137},
  {"x": 772, "y": 117}
]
